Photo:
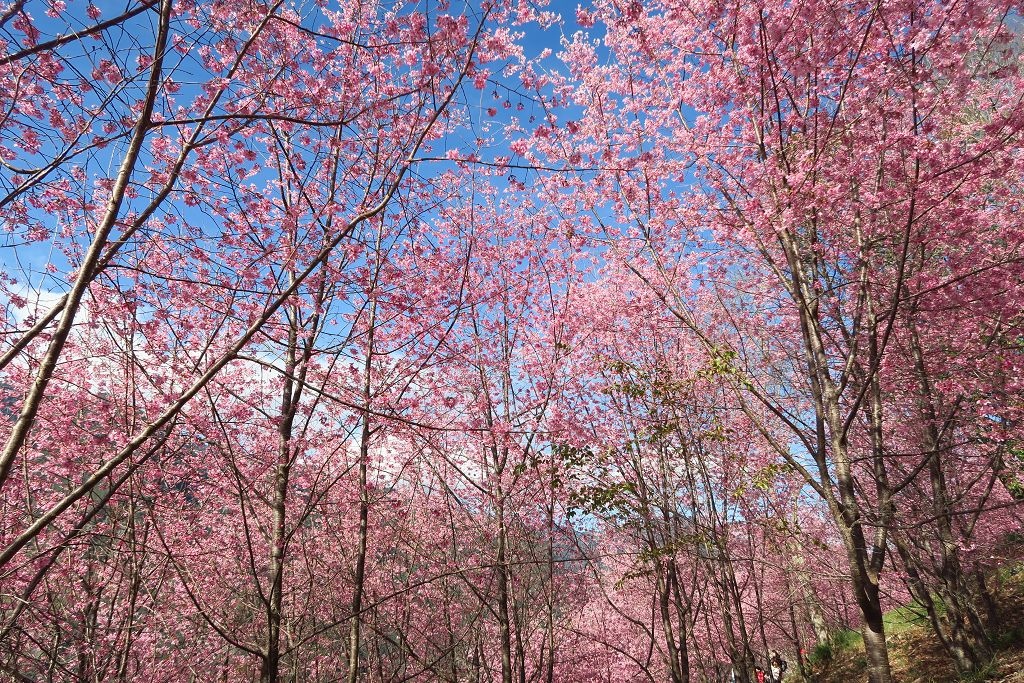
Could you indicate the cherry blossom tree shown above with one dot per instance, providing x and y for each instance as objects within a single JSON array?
[
  {"x": 793, "y": 181},
  {"x": 375, "y": 341}
]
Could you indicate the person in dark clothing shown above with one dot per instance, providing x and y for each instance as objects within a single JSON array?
[{"x": 778, "y": 666}]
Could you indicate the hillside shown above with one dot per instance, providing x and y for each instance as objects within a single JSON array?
[{"x": 918, "y": 658}]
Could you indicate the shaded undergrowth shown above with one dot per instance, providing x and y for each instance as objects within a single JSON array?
[{"x": 917, "y": 656}]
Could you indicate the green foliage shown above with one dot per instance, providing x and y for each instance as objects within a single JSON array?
[
  {"x": 847, "y": 639},
  {"x": 909, "y": 616},
  {"x": 570, "y": 456},
  {"x": 1014, "y": 484},
  {"x": 766, "y": 476},
  {"x": 983, "y": 673},
  {"x": 896, "y": 620},
  {"x": 821, "y": 654},
  {"x": 722, "y": 365},
  {"x": 722, "y": 362},
  {"x": 637, "y": 383},
  {"x": 565, "y": 460},
  {"x": 605, "y": 499}
]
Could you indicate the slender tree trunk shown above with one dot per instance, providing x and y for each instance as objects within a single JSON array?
[
  {"x": 504, "y": 623},
  {"x": 664, "y": 602},
  {"x": 58, "y": 338},
  {"x": 833, "y": 455},
  {"x": 807, "y": 597},
  {"x": 870, "y": 560},
  {"x": 987, "y": 599},
  {"x": 549, "y": 668},
  {"x": 798, "y": 643},
  {"x": 963, "y": 641},
  {"x": 360, "y": 568},
  {"x": 364, "y": 504},
  {"x": 683, "y": 615},
  {"x": 520, "y": 668},
  {"x": 136, "y": 560},
  {"x": 271, "y": 664},
  {"x": 269, "y": 671}
]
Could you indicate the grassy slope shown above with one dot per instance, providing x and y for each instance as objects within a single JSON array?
[{"x": 918, "y": 658}]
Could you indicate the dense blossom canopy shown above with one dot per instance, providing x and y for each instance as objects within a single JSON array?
[{"x": 494, "y": 341}]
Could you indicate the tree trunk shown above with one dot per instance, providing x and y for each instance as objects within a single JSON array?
[
  {"x": 269, "y": 671},
  {"x": 965, "y": 638},
  {"x": 504, "y": 622},
  {"x": 364, "y": 505},
  {"x": 832, "y": 455},
  {"x": 271, "y": 664}
]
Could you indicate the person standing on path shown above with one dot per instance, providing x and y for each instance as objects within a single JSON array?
[{"x": 778, "y": 666}]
